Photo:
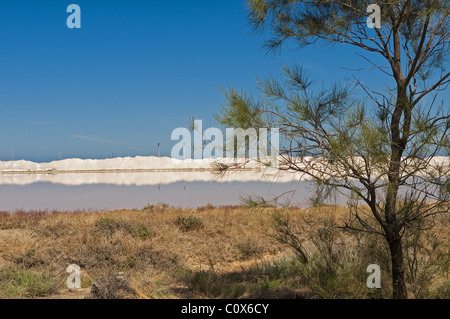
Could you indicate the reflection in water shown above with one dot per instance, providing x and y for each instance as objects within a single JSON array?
[
  {"x": 142, "y": 178},
  {"x": 97, "y": 191}
]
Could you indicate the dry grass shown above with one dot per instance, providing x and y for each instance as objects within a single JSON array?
[
  {"x": 153, "y": 244},
  {"x": 162, "y": 250}
]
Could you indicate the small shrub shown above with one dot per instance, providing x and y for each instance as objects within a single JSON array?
[
  {"x": 204, "y": 282},
  {"x": 266, "y": 280},
  {"x": 189, "y": 223},
  {"x": 174, "y": 258},
  {"x": 426, "y": 256},
  {"x": 208, "y": 206},
  {"x": 130, "y": 263},
  {"x": 329, "y": 266},
  {"x": 443, "y": 291},
  {"x": 212, "y": 285},
  {"x": 112, "y": 287},
  {"x": 106, "y": 223},
  {"x": 20, "y": 283},
  {"x": 249, "y": 249},
  {"x": 156, "y": 207},
  {"x": 141, "y": 232},
  {"x": 29, "y": 259}
]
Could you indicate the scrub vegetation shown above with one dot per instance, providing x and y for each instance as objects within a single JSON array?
[{"x": 211, "y": 252}]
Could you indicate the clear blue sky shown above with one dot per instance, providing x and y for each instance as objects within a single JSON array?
[{"x": 135, "y": 71}]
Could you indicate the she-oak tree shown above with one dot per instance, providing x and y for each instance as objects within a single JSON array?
[{"x": 390, "y": 151}]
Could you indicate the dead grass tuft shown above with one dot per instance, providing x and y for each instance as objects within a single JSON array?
[{"x": 114, "y": 286}]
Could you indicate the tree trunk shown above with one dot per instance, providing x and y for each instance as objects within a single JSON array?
[
  {"x": 391, "y": 227},
  {"x": 398, "y": 274}
]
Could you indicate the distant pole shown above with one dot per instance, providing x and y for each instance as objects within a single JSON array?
[
  {"x": 158, "y": 150},
  {"x": 59, "y": 155},
  {"x": 12, "y": 153},
  {"x": 184, "y": 150}
]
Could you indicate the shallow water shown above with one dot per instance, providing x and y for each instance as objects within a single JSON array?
[{"x": 98, "y": 191}]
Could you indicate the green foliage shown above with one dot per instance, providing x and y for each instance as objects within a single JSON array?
[
  {"x": 255, "y": 201},
  {"x": 106, "y": 223},
  {"x": 426, "y": 256},
  {"x": 189, "y": 223},
  {"x": 442, "y": 292},
  {"x": 369, "y": 147},
  {"x": 249, "y": 249},
  {"x": 21, "y": 283},
  {"x": 321, "y": 194},
  {"x": 334, "y": 269},
  {"x": 110, "y": 225},
  {"x": 141, "y": 232},
  {"x": 284, "y": 234},
  {"x": 266, "y": 280},
  {"x": 329, "y": 22},
  {"x": 239, "y": 111}
]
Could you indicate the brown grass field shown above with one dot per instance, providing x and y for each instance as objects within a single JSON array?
[{"x": 209, "y": 252}]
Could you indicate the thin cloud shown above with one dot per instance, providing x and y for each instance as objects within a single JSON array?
[{"x": 91, "y": 138}]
